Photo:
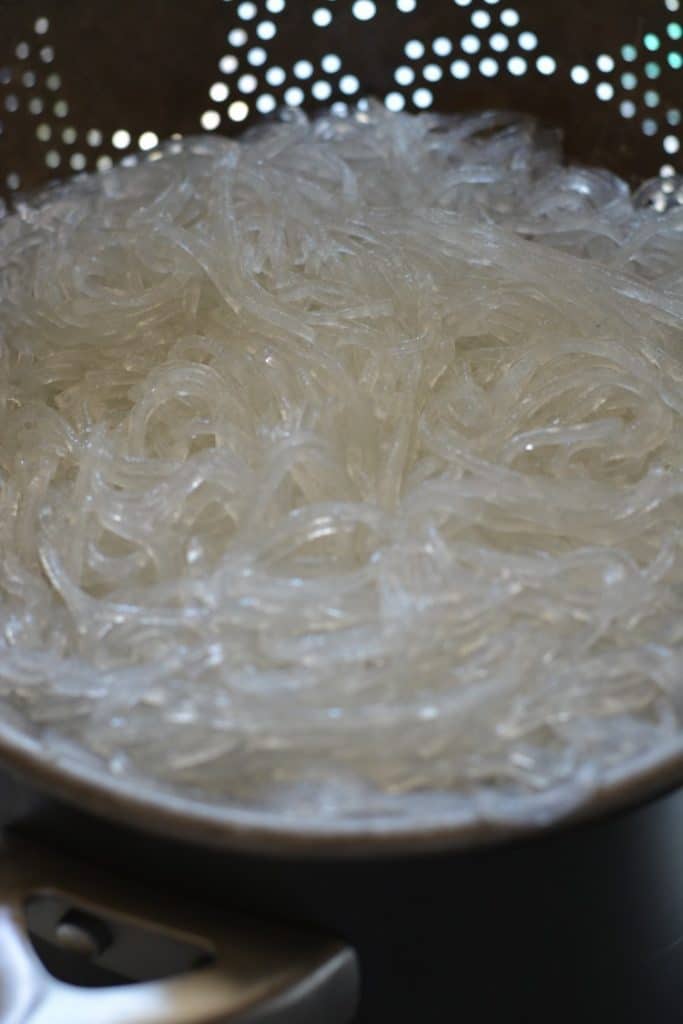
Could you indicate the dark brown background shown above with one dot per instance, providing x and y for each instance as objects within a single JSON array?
[{"x": 149, "y": 65}]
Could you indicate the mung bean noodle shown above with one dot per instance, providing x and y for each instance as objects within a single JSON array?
[{"x": 342, "y": 468}]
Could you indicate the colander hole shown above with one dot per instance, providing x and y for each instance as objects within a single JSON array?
[
  {"x": 423, "y": 98},
  {"x": 394, "y": 101},
  {"x": 219, "y": 92},
  {"x": 579, "y": 74},
  {"x": 404, "y": 75},
  {"x": 303, "y": 69},
  {"x": 432, "y": 72},
  {"x": 266, "y": 30},
  {"x": 349, "y": 85},
  {"x": 238, "y": 111},
  {"x": 509, "y": 17},
  {"x": 247, "y": 83},
  {"x": 321, "y": 17},
  {"x": 330, "y": 64},
  {"x": 257, "y": 56},
  {"x": 294, "y": 96},
  {"x": 517, "y": 66},
  {"x": 148, "y": 141},
  {"x": 209, "y": 120},
  {"x": 237, "y": 37},
  {"x": 321, "y": 91},
  {"x": 488, "y": 67},
  {"x": 228, "y": 63},
  {"x": 546, "y": 65},
  {"x": 266, "y": 104},
  {"x": 605, "y": 63},
  {"x": 442, "y": 46},
  {"x": 275, "y": 76},
  {"x": 470, "y": 44},
  {"x": 414, "y": 49},
  {"x": 499, "y": 42},
  {"x": 364, "y": 10},
  {"x": 460, "y": 69},
  {"x": 480, "y": 19},
  {"x": 247, "y": 10},
  {"x": 528, "y": 40},
  {"x": 121, "y": 139}
]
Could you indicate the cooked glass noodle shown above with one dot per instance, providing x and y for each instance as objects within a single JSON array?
[{"x": 342, "y": 469}]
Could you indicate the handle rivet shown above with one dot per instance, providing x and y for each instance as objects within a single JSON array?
[{"x": 82, "y": 934}]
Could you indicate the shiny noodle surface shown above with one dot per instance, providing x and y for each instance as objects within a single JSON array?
[{"x": 342, "y": 468}]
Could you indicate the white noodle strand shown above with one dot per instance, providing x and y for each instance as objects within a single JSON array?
[{"x": 343, "y": 466}]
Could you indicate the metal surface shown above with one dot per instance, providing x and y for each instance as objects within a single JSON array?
[
  {"x": 579, "y": 924},
  {"x": 258, "y": 973}
]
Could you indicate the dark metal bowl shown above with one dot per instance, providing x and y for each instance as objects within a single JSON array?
[{"x": 581, "y": 921}]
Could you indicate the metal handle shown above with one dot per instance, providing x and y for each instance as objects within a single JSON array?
[{"x": 258, "y": 974}]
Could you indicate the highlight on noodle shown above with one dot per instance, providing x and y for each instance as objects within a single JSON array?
[{"x": 342, "y": 469}]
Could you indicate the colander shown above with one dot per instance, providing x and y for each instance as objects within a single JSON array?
[
  {"x": 81, "y": 86},
  {"x": 579, "y": 922}
]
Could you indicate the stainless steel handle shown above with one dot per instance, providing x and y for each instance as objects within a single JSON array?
[{"x": 258, "y": 975}]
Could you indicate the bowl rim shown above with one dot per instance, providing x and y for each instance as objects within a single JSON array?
[{"x": 150, "y": 807}]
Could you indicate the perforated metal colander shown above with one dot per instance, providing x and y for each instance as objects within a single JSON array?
[{"x": 83, "y": 84}]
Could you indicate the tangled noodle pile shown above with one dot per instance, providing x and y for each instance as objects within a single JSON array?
[{"x": 342, "y": 468}]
